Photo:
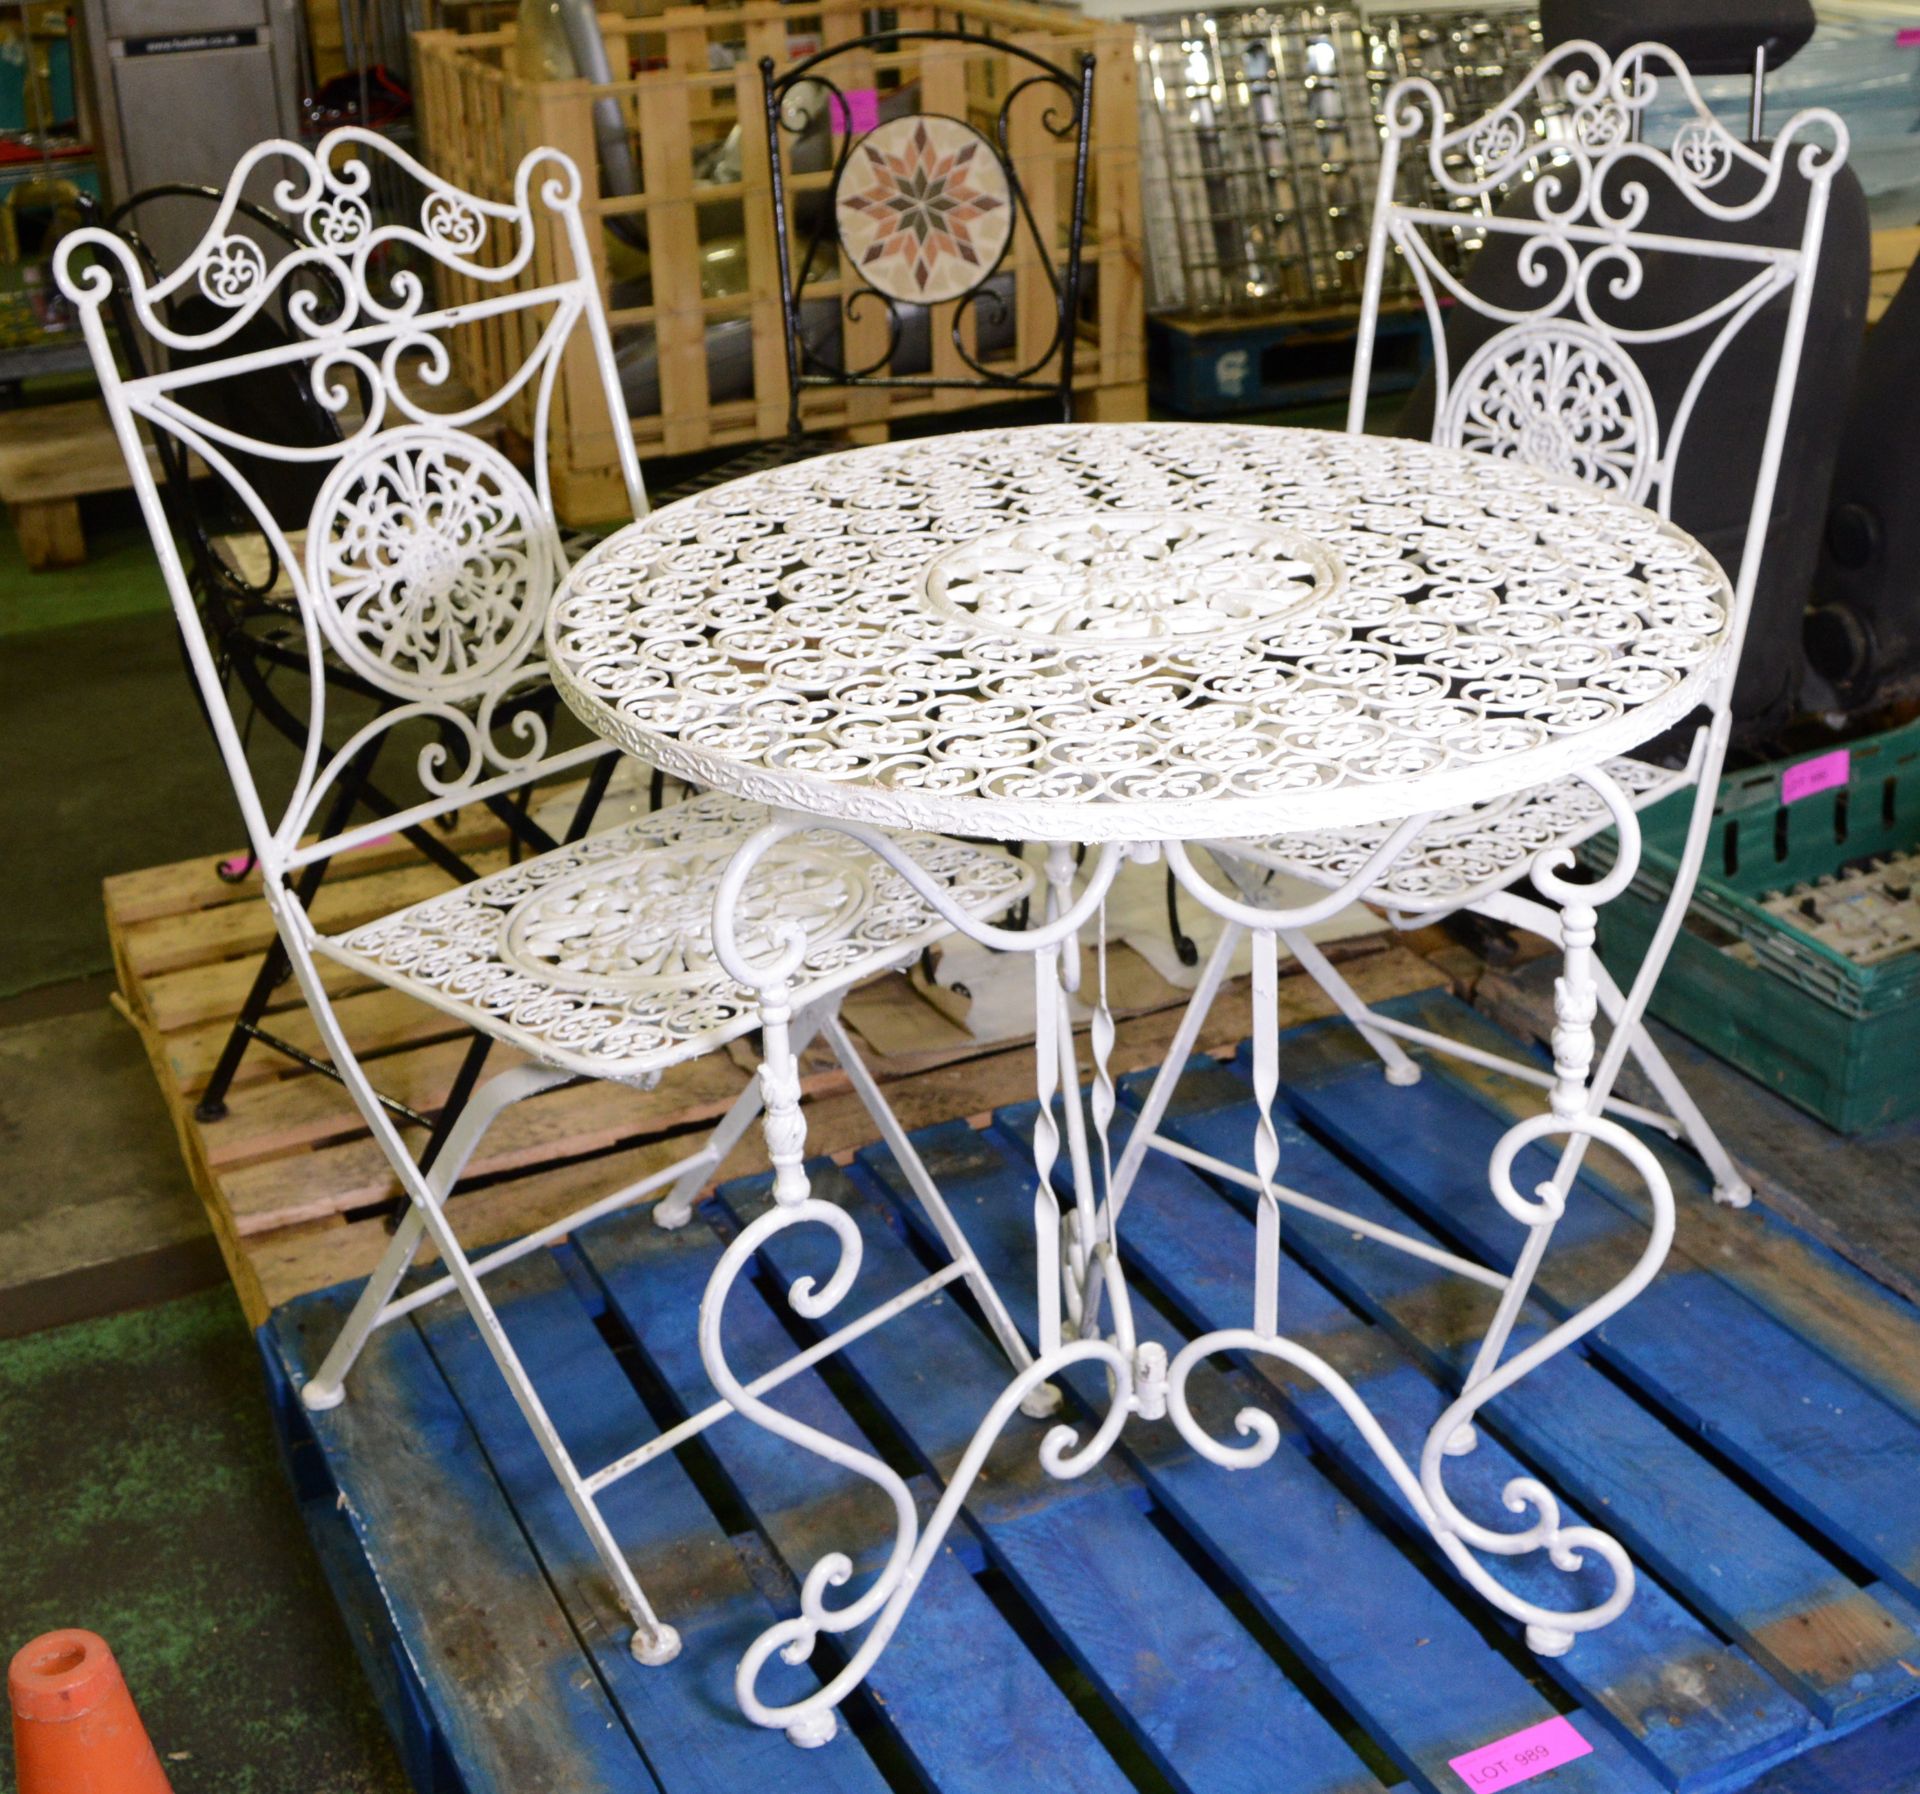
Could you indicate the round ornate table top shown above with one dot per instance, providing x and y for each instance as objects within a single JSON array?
[{"x": 1097, "y": 632}]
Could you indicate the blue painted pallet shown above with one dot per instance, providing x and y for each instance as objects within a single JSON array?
[{"x": 1160, "y": 1624}]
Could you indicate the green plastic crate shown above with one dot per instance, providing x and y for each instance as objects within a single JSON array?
[{"x": 1841, "y": 1041}]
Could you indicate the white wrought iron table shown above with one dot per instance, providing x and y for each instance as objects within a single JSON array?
[{"x": 1130, "y": 638}]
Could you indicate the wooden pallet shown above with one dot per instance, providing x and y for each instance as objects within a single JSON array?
[
  {"x": 52, "y": 456},
  {"x": 301, "y": 1198},
  {"x": 1750, "y": 1428}
]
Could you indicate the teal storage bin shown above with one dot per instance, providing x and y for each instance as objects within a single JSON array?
[{"x": 1839, "y": 1040}]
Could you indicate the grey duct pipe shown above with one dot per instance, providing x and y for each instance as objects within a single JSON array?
[{"x": 579, "y": 20}]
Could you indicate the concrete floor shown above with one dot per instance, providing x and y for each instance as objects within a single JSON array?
[
  {"x": 143, "y": 1499},
  {"x": 98, "y": 1214},
  {"x": 140, "y": 1492},
  {"x": 109, "y": 766}
]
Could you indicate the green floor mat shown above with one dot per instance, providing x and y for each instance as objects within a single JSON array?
[
  {"x": 110, "y": 769},
  {"x": 144, "y": 1500},
  {"x": 118, "y": 579}
]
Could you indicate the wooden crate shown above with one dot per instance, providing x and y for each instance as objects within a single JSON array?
[
  {"x": 1750, "y": 1428},
  {"x": 51, "y": 457},
  {"x": 1893, "y": 255},
  {"x": 301, "y": 1198},
  {"x": 697, "y": 77}
]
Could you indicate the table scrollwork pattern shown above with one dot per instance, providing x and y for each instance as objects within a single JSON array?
[{"x": 928, "y": 635}]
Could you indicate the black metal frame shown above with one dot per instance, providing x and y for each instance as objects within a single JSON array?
[
  {"x": 805, "y": 365},
  {"x": 254, "y": 636}
]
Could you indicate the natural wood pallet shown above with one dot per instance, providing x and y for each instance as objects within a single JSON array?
[
  {"x": 695, "y": 79},
  {"x": 1893, "y": 255},
  {"x": 301, "y": 1198},
  {"x": 52, "y": 456},
  {"x": 1160, "y": 1623}
]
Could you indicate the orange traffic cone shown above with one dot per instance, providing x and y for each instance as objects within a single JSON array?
[{"x": 75, "y": 1730}]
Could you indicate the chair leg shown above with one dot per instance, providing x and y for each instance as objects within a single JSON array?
[
  {"x": 1400, "y": 1068},
  {"x": 327, "y": 1386},
  {"x": 1042, "y": 1401},
  {"x": 590, "y": 799},
  {"x": 675, "y": 1209},
  {"x": 654, "y": 1641},
  {"x": 459, "y": 1094},
  {"x": 1729, "y": 1187},
  {"x": 212, "y": 1105},
  {"x": 1184, "y": 947}
]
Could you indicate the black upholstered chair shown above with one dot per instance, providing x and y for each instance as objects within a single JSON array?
[
  {"x": 1713, "y": 489},
  {"x": 1863, "y": 634}
]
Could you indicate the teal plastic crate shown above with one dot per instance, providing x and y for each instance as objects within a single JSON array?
[{"x": 1840, "y": 1040}]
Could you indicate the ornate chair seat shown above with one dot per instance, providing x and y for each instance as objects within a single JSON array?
[
  {"x": 1462, "y": 856},
  {"x": 598, "y": 958}
]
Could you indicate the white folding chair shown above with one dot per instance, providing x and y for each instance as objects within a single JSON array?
[
  {"x": 1630, "y": 271},
  {"x": 428, "y": 566}
]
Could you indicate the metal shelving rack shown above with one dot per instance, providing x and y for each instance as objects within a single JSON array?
[{"x": 1261, "y": 143}]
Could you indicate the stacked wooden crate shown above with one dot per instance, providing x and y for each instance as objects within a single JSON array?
[{"x": 696, "y": 78}]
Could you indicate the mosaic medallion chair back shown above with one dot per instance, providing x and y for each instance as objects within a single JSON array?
[
  {"x": 426, "y": 569},
  {"x": 1644, "y": 254},
  {"x": 926, "y": 236}
]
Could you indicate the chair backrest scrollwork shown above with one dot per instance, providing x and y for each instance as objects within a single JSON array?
[
  {"x": 1639, "y": 240},
  {"x": 428, "y": 557},
  {"x": 930, "y": 216}
]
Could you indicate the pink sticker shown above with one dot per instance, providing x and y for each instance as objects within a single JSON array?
[
  {"x": 858, "y": 112},
  {"x": 1907, "y": 37},
  {"x": 1508, "y": 1762},
  {"x": 1811, "y": 777}
]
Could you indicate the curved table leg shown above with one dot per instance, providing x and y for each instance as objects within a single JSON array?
[{"x": 1084, "y": 1310}]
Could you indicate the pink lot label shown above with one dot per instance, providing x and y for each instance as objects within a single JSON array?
[
  {"x": 1813, "y": 776},
  {"x": 1508, "y": 1762},
  {"x": 857, "y": 112}
]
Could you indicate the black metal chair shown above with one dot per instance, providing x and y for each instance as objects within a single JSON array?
[
  {"x": 250, "y": 616},
  {"x": 902, "y": 235},
  {"x": 923, "y": 212}
]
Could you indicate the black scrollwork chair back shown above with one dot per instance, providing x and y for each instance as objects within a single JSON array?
[
  {"x": 929, "y": 233},
  {"x": 243, "y": 598}
]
